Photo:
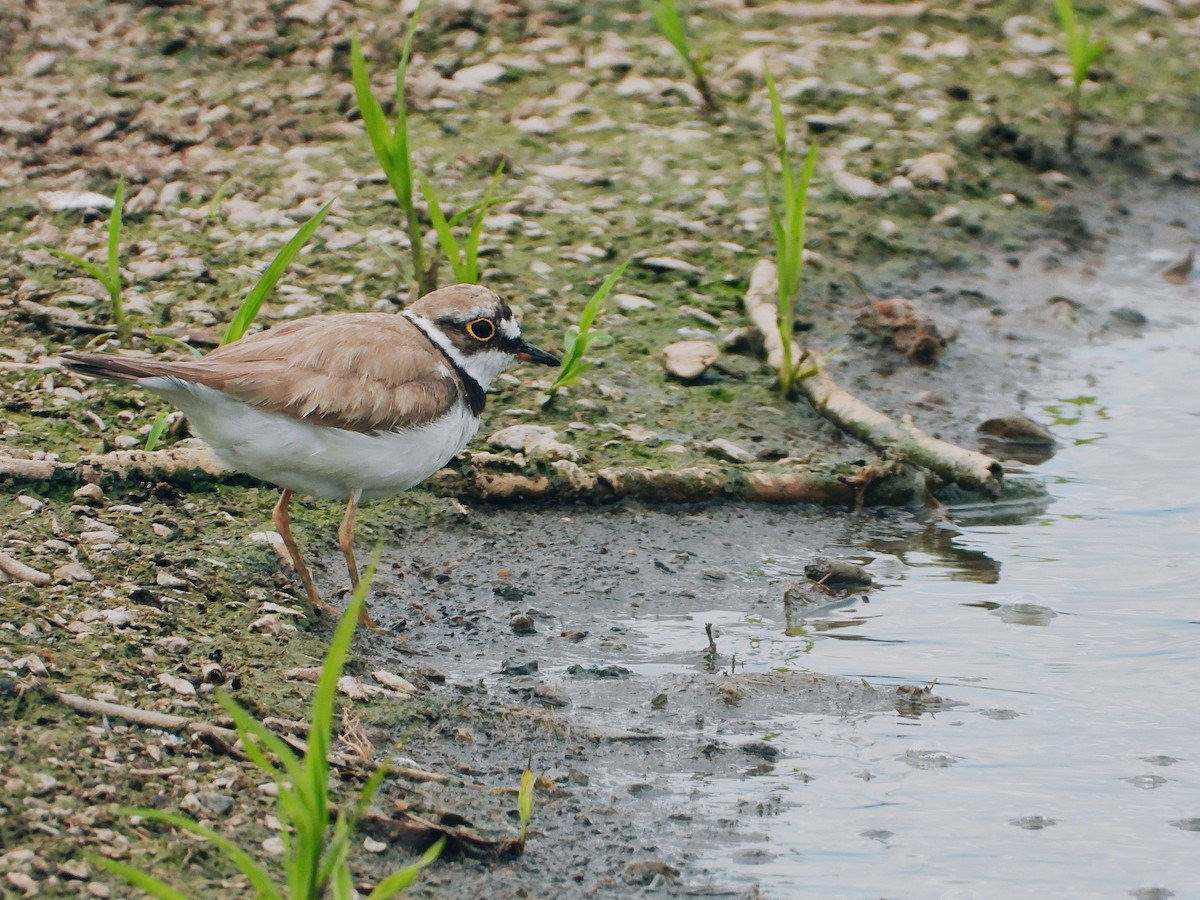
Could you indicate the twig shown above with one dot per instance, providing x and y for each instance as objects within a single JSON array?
[{"x": 146, "y": 717}]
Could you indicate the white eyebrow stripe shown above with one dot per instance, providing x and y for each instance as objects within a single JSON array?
[{"x": 510, "y": 329}]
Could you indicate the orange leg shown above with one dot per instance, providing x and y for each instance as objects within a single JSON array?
[
  {"x": 346, "y": 542},
  {"x": 283, "y": 524}
]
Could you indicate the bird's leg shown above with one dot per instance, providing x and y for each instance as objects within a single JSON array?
[
  {"x": 283, "y": 524},
  {"x": 346, "y": 536},
  {"x": 346, "y": 542}
]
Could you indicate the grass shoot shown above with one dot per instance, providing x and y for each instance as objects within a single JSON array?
[
  {"x": 110, "y": 275},
  {"x": 525, "y": 803},
  {"x": 391, "y": 145},
  {"x": 788, "y": 223},
  {"x": 464, "y": 258},
  {"x": 248, "y": 311},
  {"x": 579, "y": 337},
  {"x": 1082, "y": 52},
  {"x": 671, "y": 25},
  {"x": 316, "y": 844}
]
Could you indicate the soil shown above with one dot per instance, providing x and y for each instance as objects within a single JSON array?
[{"x": 233, "y": 122}]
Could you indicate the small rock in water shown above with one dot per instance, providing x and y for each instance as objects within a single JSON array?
[
  {"x": 1178, "y": 273},
  {"x": 837, "y": 571},
  {"x": 1016, "y": 429},
  {"x": 1129, "y": 316},
  {"x": 518, "y": 437}
]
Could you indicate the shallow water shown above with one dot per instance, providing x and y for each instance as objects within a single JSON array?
[{"x": 1069, "y": 636}]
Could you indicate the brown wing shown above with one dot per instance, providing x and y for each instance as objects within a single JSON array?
[{"x": 364, "y": 372}]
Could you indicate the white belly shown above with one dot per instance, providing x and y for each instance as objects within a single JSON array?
[{"x": 315, "y": 460}]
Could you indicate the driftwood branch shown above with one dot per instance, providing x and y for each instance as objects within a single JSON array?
[
  {"x": 904, "y": 440},
  {"x": 899, "y": 440}
]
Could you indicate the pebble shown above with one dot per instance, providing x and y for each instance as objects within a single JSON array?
[
  {"x": 857, "y": 187},
  {"x": 518, "y": 437},
  {"x": 669, "y": 264},
  {"x": 89, "y": 493},
  {"x": 477, "y": 77},
  {"x": 632, "y": 302},
  {"x": 689, "y": 359},
  {"x": 720, "y": 448},
  {"x": 42, "y": 63},
  {"x": 73, "y": 572},
  {"x": 1015, "y": 428},
  {"x": 931, "y": 170}
]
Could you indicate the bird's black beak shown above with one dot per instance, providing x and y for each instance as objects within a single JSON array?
[{"x": 529, "y": 353}]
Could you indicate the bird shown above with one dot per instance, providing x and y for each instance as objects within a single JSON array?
[{"x": 347, "y": 406}]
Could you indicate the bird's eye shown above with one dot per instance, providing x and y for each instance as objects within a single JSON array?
[{"x": 483, "y": 330}]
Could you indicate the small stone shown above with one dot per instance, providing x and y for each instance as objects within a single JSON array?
[
  {"x": 90, "y": 493},
  {"x": 1016, "y": 429},
  {"x": 394, "y": 682},
  {"x": 74, "y": 201},
  {"x": 688, "y": 360},
  {"x": 632, "y": 302},
  {"x": 33, "y": 504},
  {"x": 522, "y": 625},
  {"x": 645, "y": 872},
  {"x": 167, "y": 580},
  {"x": 519, "y": 667},
  {"x": 857, "y": 187},
  {"x": 720, "y": 448},
  {"x": 931, "y": 170},
  {"x": 478, "y": 76},
  {"x": 1129, "y": 315},
  {"x": 42, "y": 63},
  {"x": 519, "y": 437},
  {"x": 669, "y": 264},
  {"x": 373, "y": 846},
  {"x": 181, "y": 686}
]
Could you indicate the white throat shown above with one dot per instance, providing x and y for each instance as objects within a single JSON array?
[{"x": 483, "y": 366}]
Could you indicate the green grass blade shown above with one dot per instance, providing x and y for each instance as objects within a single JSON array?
[
  {"x": 572, "y": 364},
  {"x": 248, "y": 311},
  {"x": 256, "y": 736},
  {"x": 320, "y": 730},
  {"x": 592, "y": 308},
  {"x": 472, "y": 249},
  {"x": 525, "y": 800},
  {"x": 398, "y": 882},
  {"x": 114, "y": 237},
  {"x": 446, "y": 239},
  {"x": 368, "y": 107},
  {"x": 95, "y": 271},
  {"x": 255, "y": 873},
  {"x": 157, "y": 429},
  {"x": 153, "y": 886}
]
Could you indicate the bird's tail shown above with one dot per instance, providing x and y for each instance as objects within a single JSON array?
[{"x": 119, "y": 368}]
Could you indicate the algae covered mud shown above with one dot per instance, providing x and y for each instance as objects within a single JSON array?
[{"x": 573, "y": 637}]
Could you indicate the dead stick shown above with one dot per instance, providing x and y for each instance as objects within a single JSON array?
[
  {"x": 145, "y": 717},
  {"x": 903, "y": 440},
  {"x": 18, "y": 571}
]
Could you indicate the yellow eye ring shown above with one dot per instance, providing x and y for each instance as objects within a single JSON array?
[{"x": 483, "y": 330}]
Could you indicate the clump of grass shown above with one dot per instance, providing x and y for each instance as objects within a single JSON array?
[
  {"x": 315, "y": 843},
  {"x": 671, "y": 25},
  {"x": 579, "y": 337},
  {"x": 110, "y": 275},
  {"x": 391, "y": 145},
  {"x": 788, "y": 224},
  {"x": 464, "y": 258},
  {"x": 1083, "y": 52}
]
